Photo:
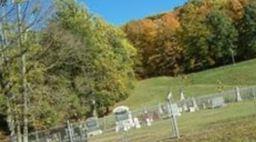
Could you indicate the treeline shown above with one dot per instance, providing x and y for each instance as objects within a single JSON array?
[
  {"x": 58, "y": 62},
  {"x": 199, "y": 35}
]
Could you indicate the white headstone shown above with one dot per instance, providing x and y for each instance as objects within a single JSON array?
[
  {"x": 185, "y": 107},
  {"x": 192, "y": 109},
  {"x": 148, "y": 122},
  {"x": 169, "y": 96},
  {"x": 160, "y": 109},
  {"x": 204, "y": 106},
  {"x": 182, "y": 97},
  {"x": 217, "y": 102},
  {"x": 195, "y": 104},
  {"x": 124, "y": 120},
  {"x": 136, "y": 123},
  {"x": 238, "y": 96}
]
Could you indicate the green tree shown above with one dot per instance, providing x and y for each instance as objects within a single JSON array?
[
  {"x": 192, "y": 36},
  {"x": 247, "y": 33},
  {"x": 100, "y": 65},
  {"x": 223, "y": 37}
]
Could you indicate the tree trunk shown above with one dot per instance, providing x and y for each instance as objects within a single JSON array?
[
  {"x": 10, "y": 119},
  {"x": 23, "y": 74}
]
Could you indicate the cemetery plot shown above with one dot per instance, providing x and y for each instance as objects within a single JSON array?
[
  {"x": 160, "y": 126},
  {"x": 193, "y": 126},
  {"x": 157, "y": 122},
  {"x": 138, "y": 125}
]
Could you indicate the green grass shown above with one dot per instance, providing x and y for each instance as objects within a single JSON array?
[
  {"x": 235, "y": 122},
  {"x": 152, "y": 91}
]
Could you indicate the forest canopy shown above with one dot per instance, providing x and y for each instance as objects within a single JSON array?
[{"x": 199, "y": 35}]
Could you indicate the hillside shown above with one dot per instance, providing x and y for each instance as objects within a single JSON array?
[
  {"x": 154, "y": 90},
  {"x": 196, "y": 36}
]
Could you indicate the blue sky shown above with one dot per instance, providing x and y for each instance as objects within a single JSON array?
[{"x": 118, "y": 12}]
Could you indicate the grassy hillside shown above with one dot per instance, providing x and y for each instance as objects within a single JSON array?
[
  {"x": 152, "y": 91},
  {"x": 233, "y": 123}
]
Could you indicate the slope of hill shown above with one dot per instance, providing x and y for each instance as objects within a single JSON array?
[
  {"x": 197, "y": 36},
  {"x": 154, "y": 90}
]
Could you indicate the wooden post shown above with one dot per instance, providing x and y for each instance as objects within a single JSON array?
[
  {"x": 19, "y": 136},
  {"x": 238, "y": 96},
  {"x": 70, "y": 133}
]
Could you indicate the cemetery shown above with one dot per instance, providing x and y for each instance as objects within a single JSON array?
[
  {"x": 127, "y": 71},
  {"x": 166, "y": 120},
  {"x": 197, "y": 106},
  {"x": 169, "y": 119}
]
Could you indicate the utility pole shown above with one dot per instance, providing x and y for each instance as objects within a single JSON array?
[{"x": 23, "y": 72}]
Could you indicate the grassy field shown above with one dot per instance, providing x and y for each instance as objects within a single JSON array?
[
  {"x": 233, "y": 123},
  {"x": 152, "y": 91}
]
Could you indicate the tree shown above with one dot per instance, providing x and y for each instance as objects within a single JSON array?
[
  {"x": 100, "y": 66},
  {"x": 223, "y": 37},
  {"x": 154, "y": 39},
  {"x": 247, "y": 33},
  {"x": 192, "y": 36},
  {"x": 18, "y": 66}
]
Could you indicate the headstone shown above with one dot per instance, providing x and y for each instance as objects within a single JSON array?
[
  {"x": 204, "y": 106},
  {"x": 192, "y": 109},
  {"x": 124, "y": 119},
  {"x": 169, "y": 97},
  {"x": 195, "y": 104},
  {"x": 180, "y": 109},
  {"x": 148, "y": 117},
  {"x": 93, "y": 127},
  {"x": 160, "y": 110},
  {"x": 182, "y": 97},
  {"x": 136, "y": 123},
  {"x": 238, "y": 96},
  {"x": 148, "y": 122},
  {"x": 185, "y": 107},
  {"x": 217, "y": 102}
]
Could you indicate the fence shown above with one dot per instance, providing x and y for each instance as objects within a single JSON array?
[
  {"x": 160, "y": 114},
  {"x": 68, "y": 133},
  {"x": 150, "y": 119},
  {"x": 229, "y": 96},
  {"x": 162, "y": 119}
]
